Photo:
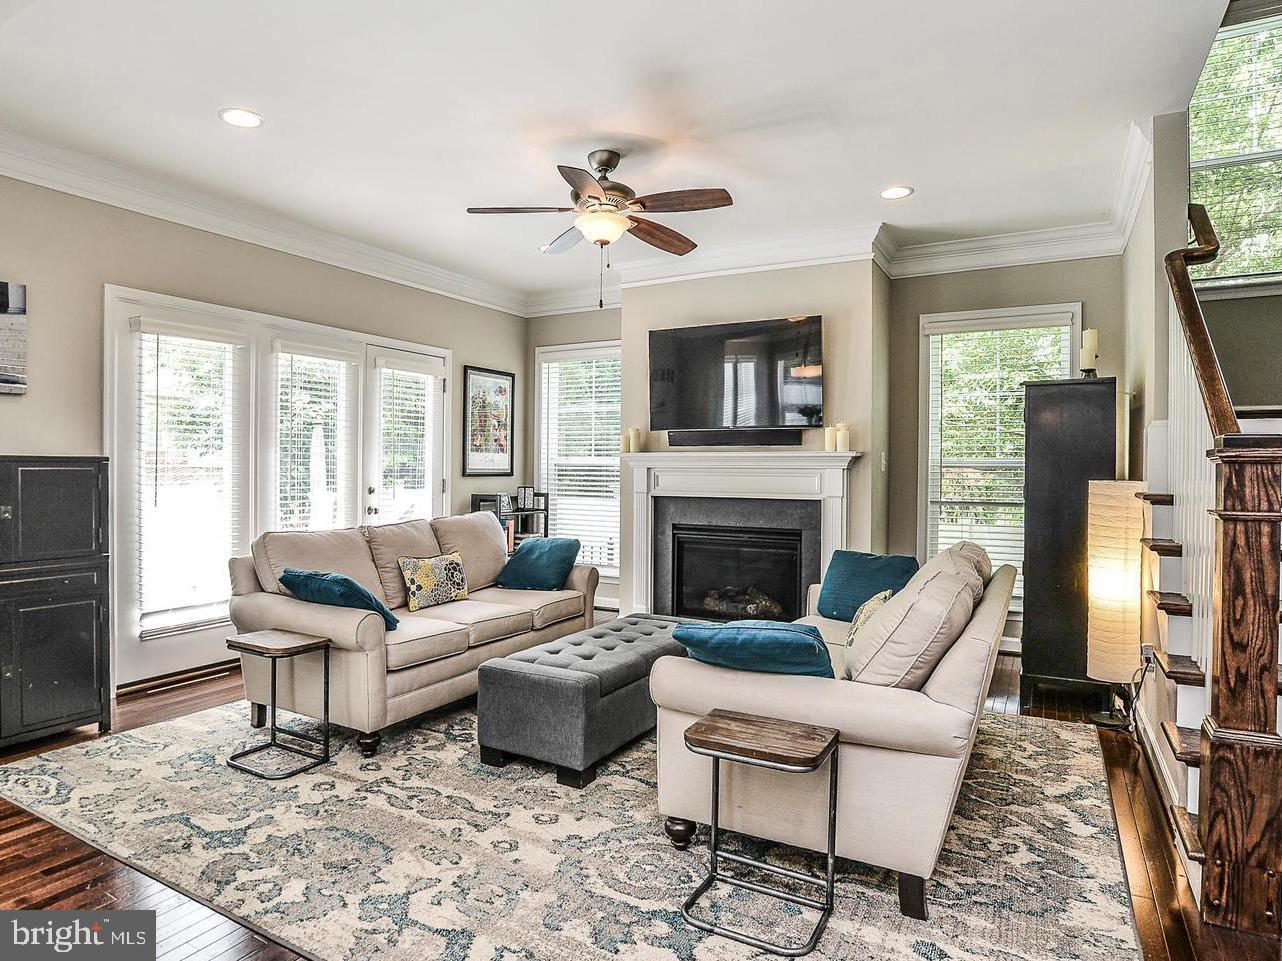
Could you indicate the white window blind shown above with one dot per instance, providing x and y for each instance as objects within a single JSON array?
[
  {"x": 579, "y": 430},
  {"x": 316, "y": 437},
  {"x": 975, "y": 454},
  {"x": 1235, "y": 148},
  {"x": 408, "y": 408},
  {"x": 190, "y": 470}
]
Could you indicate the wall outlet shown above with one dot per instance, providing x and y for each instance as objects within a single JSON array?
[{"x": 1148, "y": 654}]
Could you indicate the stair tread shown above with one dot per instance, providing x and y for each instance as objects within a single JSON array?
[
  {"x": 1172, "y": 603},
  {"x": 1185, "y": 742},
  {"x": 1267, "y": 413},
  {"x": 1183, "y": 670},
  {"x": 1186, "y": 827},
  {"x": 1164, "y": 547},
  {"x": 1157, "y": 500}
]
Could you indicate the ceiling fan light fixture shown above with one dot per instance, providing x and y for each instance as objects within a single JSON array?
[{"x": 602, "y": 227}]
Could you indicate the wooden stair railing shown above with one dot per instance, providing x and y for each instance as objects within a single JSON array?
[{"x": 1240, "y": 786}]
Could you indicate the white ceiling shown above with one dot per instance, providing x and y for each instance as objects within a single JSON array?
[{"x": 385, "y": 120}]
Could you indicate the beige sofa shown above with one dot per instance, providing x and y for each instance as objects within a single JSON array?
[
  {"x": 380, "y": 677},
  {"x": 903, "y": 752}
]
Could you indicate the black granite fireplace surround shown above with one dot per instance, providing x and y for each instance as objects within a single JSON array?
[{"x": 730, "y": 558}]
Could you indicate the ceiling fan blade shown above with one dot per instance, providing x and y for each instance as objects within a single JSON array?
[
  {"x": 563, "y": 241},
  {"x": 665, "y": 238},
  {"x": 674, "y": 201},
  {"x": 582, "y": 181},
  {"x": 519, "y": 210}
]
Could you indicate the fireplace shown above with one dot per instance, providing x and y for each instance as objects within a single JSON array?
[
  {"x": 734, "y": 558},
  {"x": 733, "y": 573}
]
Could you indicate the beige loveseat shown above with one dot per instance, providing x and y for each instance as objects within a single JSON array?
[
  {"x": 379, "y": 677},
  {"x": 902, "y": 751}
]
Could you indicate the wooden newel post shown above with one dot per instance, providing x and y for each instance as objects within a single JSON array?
[{"x": 1241, "y": 770}]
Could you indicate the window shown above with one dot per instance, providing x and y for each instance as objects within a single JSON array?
[
  {"x": 1235, "y": 148},
  {"x": 974, "y": 365},
  {"x": 189, "y": 456},
  {"x": 315, "y": 481},
  {"x": 223, "y": 423},
  {"x": 578, "y": 447}
]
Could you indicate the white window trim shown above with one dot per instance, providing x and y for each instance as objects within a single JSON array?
[
  {"x": 126, "y": 309},
  {"x": 552, "y": 353},
  {"x": 968, "y": 321}
]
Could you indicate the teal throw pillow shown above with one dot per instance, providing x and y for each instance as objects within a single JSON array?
[
  {"x": 768, "y": 647},
  {"x": 540, "y": 564},
  {"x": 853, "y": 577},
  {"x": 319, "y": 587}
]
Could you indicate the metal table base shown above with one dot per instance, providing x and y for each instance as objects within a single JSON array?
[
  {"x": 275, "y": 730},
  {"x": 716, "y": 855}
]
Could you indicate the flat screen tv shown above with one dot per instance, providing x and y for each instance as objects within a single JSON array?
[{"x": 756, "y": 374}]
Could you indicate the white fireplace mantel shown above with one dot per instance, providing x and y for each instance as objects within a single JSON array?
[{"x": 770, "y": 475}]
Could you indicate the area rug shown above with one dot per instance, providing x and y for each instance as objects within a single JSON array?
[{"x": 425, "y": 853}]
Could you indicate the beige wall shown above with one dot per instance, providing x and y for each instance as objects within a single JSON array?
[
  {"x": 853, "y": 299},
  {"x": 1246, "y": 331},
  {"x": 66, "y": 248},
  {"x": 1096, "y": 283}
]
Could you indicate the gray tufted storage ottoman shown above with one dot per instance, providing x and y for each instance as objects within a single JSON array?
[{"x": 572, "y": 701}]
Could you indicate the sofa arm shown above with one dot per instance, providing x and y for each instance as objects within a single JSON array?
[
  {"x": 584, "y": 579},
  {"x": 812, "y": 599},
  {"x": 346, "y": 627},
  {"x": 887, "y": 717}
]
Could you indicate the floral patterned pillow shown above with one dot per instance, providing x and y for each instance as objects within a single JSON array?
[
  {"x": 862, "y": 616},
  {"x": 433, "y": 580}
]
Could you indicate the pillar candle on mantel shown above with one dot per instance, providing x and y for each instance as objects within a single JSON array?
[
  {"x": 830, "y": 438},
  {"x": 636, "y": 440},
  {"x": 843, "y": 436},
  {"x": 625, "y": 443}
]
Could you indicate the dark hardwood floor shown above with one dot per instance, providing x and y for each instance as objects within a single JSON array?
[{"x": 43, "y": 867}]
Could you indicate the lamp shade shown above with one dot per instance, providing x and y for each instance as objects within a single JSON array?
[{"x": 1115, "y": 524}]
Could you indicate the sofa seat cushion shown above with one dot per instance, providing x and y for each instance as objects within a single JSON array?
[
  {"x": 420, "y": 639},
  {"x": 547, "y": 607},
  {"x": 337, "y": 552},
  {"x": 484, "y": 620},
  {"x": 390, "y": 542},
  {"x": 479, "y": 538}
]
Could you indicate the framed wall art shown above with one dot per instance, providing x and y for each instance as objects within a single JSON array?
[
  {"x": 488, "y": 431},
  {"x": 13, "y": 338}
]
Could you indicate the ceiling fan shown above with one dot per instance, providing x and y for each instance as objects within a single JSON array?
[{"x": 608, "y": 209}]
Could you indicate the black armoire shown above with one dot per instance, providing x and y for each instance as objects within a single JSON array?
[
  {"x": 1070, "y": 438},
  {"x": 54, "y": 618}
]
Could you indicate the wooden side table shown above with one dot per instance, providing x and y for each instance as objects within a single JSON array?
[
  {"x": 780, "y": 746},
  {"x": 274, "y": 645}
]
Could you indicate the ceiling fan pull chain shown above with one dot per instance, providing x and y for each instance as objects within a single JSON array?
[{"x": 601, "y": 280}]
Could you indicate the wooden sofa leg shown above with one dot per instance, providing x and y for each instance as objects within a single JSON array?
[
  {"x": 570, "y": 777},
  {"x": 367, "y": 744},
  {"x": 680, "y": 832},
  {"x": 257, "y": 715},
  {"x": 912, "y": 896},
  {"x": 493, "y": 757}
]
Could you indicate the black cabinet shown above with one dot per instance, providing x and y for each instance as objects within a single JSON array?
[
  {"x": 1070, "y": 439},
  {"x": 54, "y": 612}
]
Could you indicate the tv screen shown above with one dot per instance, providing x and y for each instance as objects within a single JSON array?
[{"x": 760, "y": 373}]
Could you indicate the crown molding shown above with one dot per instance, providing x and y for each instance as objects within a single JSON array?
[
  {"x": 574, "y": 300},
  {"x": 1137, "y": 166},
  {"x": 73, "y": 172}
]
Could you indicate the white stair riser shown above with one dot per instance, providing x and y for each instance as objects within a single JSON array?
[
  {"x": 1190, "y": 706},
  {"x": 1162, "y": 521},
  {"x": 1170, "y": 575},
  {"x": 1194, "y": 784},
  {"x": 1260, "y": 425},
  {"x": 1177, "y": 634}
]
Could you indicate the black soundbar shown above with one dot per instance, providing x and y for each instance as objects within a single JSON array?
[{"x": 741, "y": 437}]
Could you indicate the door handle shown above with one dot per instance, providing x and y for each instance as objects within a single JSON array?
[
  {"x": 371, "y": 510},
  {"x": 6, "y": 512},
  {"x": 370, "y": 489}
]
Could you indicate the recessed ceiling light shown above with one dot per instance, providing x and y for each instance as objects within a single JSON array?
[
  {"x": 896, "y": 193},
  {"x": 240, "y": 117}
]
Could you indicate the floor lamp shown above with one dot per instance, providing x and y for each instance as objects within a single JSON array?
[{"x": 1115, "y": 524}]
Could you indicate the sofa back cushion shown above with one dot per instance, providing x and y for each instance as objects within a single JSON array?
[
  {"x": 853, "y": 577},
  {"x": 902, "y": 642},
  {"x": 390, "y": 542},
  {"x": 479, "y": 539},
  {"x": 961, "y": 679},
  {"x": 339, "y": 552}
]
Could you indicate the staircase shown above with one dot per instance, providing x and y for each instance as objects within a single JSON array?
[{"x": 1213, "y": 550}]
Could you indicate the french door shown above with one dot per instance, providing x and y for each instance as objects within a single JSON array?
[{"x": 404, "y": 436}]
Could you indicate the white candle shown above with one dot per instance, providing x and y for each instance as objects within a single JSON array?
[
  {"x": 626, "y": 446},
  {"x": 830, "y": 438},
  {"x": 635, "y": 441},
  {"x": 1090, "y": 348},
  {"x": 843, "y": 437}
]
